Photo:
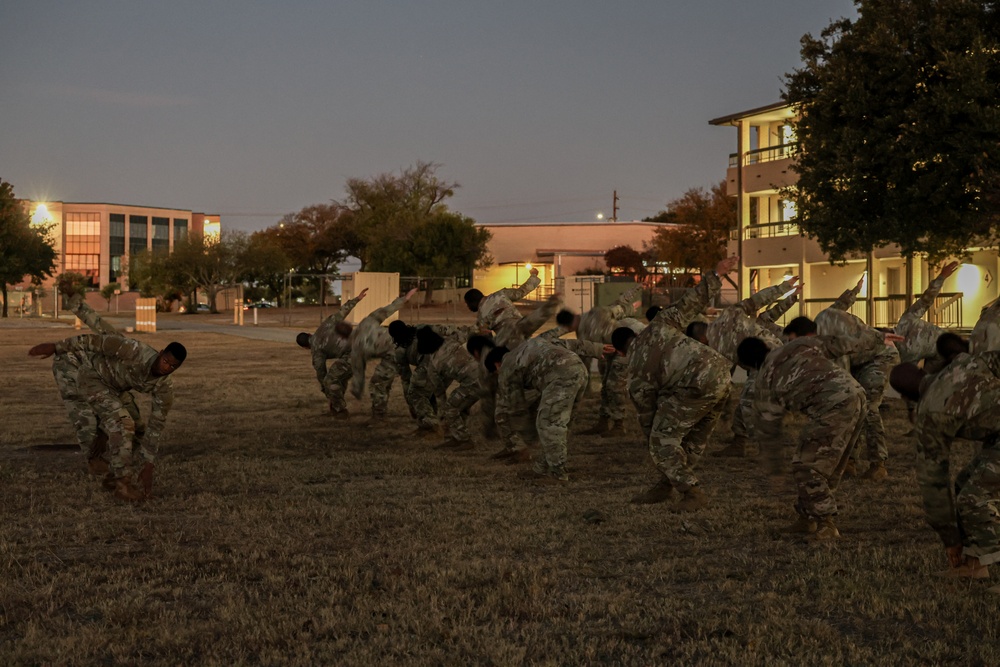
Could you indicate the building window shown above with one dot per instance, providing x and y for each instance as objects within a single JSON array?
[
  {"x": 180, "y": 230},
  {"x": 137, "y": 234},
  {"x": 116, "y": 243},
  {"x": 161, "y": 234},
  {"x": 83, "y": 245}
]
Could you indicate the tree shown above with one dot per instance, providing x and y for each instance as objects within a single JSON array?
[
  {"x": 899, "y": 128},
  {"x": 699, "y": 234},
  {"x": 625, "y": 259},
  {"x": 109, "y": 291},
  {"x": 25, "y": 248},
  {"x": 210, "y": 265},
  {"x": 266, "y": 263}
]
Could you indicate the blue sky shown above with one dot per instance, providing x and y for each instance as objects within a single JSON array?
[{"x": 539, "y": 110}]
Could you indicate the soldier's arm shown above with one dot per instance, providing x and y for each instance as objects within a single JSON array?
[
  {"x": 346, "y": 308},
  {"x": 837, "y": 346},
  {"x": 554, "y": 334},
  {"x": 319, "y": 364},
  {"x": 847, "y": 299},
  {"x": 107, "y": 345},
  {"x": 992, "y": 361},
  {"x": 509, "y": 406},
  {"x": 518, "y": 293},
  {"x": 774, "y": 313},
  {"x": 585, "y": 348},
  {"x": 380, "y": 314},
  {"x": 358, "y": 361},
  {"x": 78, "y": 306},
  {"x": 691, "y": 303},
  {"x": 934, "y": 475},
  {"x": 768, "y": 416},
  {"x": 920, "y": 307},
  {"x": 162, "y": 400},
  {"x": 765, "y": 297},
  {"x": 624, "y": 305}
]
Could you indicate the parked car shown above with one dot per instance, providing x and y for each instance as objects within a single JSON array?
[{"x": 204, "y": 308}]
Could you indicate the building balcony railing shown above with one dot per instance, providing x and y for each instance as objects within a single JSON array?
[
  {"x": 760, "y": 155},
  {"x": 946, "y": 313},
  {"x": 770, "y": 230}
]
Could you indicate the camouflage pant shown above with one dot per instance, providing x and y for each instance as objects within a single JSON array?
[
  {"x": 488, "y": 403},
  {"x": 978, "y": 503},
  {"x": 678, "y": 425},
  {"x": 835, "y": 419},
  {"x": 114, "y": 418},
  {"x": 515, "y": 331},
  {"x": 743, "y": 416},
  {"x": 421, "y": 392},
  {"x": 874, "y": 377},
  {"x": 614, "y": 389},
  {"x": 66, "y": 371},
  {"x": 381, "y": 385},
  {"x": 335, "y": 383},
  {"x": 456, "y": 408},
  {"x": 555, "y": 409}
]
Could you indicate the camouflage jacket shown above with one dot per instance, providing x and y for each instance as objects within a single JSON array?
[
  {"x": 79, "y": 307},
  {"x": 370, "y": 340},
  {"x": 769, "y": 317},
  {"x": 986, "y": 334},
  {"x": 847, "y": 299},
  {"x": 921, "y": 336},
  {"x": 958, "y": 402},
  {"x": 326, "y": 343},
  {"x": 663, "y": 356},
  {"x": 597, "y": 323},
  {"x": 513, "y": 331},
  {"x": 739, "y": 321},
  {"x": 451, "y": 363},
  {"x": 870, "y": 343},
  {"x": 406, "y": 358},
  {"x": 124, "y": 364},
  {"x": 498, "y": 307}
]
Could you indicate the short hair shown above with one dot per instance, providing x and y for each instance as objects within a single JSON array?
[
  {"x": 800, "y": 326},
  {"x": 402, "y": 333},
  {"x": 906, "y": 378},
  {"x": 476, "y": 344},
  {"x": 752, "y": 351},
  {"x": 620, "y": 338},
  {"x": 177, "y": 351},
  {"x": 565, "y": 317},
  {"x": 472, "y": 297},
  {"x": 495, "y": 356},
  {"x": 697, "y": 330},
  {"x": 428, "y": 340},
  {"x": 344, "y": 329},
  {"x": 652, "y": 312},
  {"x": 303, "y": 339},
  {"x": 949, "y": 345}
]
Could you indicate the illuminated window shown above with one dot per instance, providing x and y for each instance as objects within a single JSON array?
[
  {"x": 83, "y": 244},
  {"x": 788, "y": 209}
]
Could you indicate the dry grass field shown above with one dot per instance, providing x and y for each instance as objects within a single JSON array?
[{"x": 279, "y": 536}]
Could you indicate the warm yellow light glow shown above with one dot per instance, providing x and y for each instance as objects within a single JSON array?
[
  {"x": 600, "y": 216},
  {"x": 528, "y": 266},
  {"x": 969, "y": 279},
  {"x": 864, "y": 285},
  {"x": 212, "y": 230},
  {"x": 41, "y": 215}
]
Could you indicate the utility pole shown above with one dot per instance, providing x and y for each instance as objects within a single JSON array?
[{"x": 614, "y": 207}]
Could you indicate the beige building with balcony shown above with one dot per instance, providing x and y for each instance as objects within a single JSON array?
[{"x": 771, "y": 246}]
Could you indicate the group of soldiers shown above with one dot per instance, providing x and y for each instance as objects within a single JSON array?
[{"x": 675, "y": 368}]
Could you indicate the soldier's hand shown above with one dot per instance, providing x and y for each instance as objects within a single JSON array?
[
  {"x": 42, "y": 350},
  {"x": 361, "y": 295},
  {"x": 861, "y": 283},
  {"x": 727, "y": 265},
  {"x": 798, "y": 289},
  {"x": 792, "y": 281},
  {"x": 610, "y": 349},
  {"x": 411, "y": 293},
  {"x": 636, "y": 305},
  {"x": 891, "y": 338},
  {"x": 146, "y": 480},
  {"x": 533, "y": 271},
  {"x": 948, "y": 269}
]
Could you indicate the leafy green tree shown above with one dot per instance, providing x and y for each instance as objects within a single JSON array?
[
  {"x": 25, "y": 249},
  {"x": 266, "y": 264},
  {"x": 108, "y": 292},
  {"x": 899, "y": 128},
  {"x": 625, "y": 259},
  {"x": 210, "y": 265},
  {"x": 701, "y": 221}
]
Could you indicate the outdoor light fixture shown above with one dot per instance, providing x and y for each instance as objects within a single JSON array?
[
  {"x": 600, "y": 216},
  {"x": 528, "y": 266},
  {"x": 969, "y": 279},
  {"x": 41, "y": 215}
]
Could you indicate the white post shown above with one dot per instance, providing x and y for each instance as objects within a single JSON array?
[{"x": 255, "y": 317}]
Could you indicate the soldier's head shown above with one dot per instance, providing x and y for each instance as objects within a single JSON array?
[
  {"x": 652, "y": 312},
  {"x": 428, "y": 341},
  {"x": 495, "y": 359},
  {"x": 478, "y": 346},
  {"x": 472, "y": 298},
  {"x": 343, "y": 329},
  {"x": 799, "y": 327},
  {"x": 906, "y": 379},
  {"x": 751, "y": 353},
  {"x": 402, "y": 333},
  {"x": 698, "y": 331},
  {"x": 950, "y": 345},
  {"x": 169, "y": 359},
  {"x": 303, "y": 340},
  {"x": 568, "y": 320},
  {"x": 621, "y": 338}
]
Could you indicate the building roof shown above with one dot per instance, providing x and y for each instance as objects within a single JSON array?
[
  {"x": 776, "y": 111},
  {"x": 589, "y": 223}
]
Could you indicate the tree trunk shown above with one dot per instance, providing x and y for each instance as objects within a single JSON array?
[
  {"x": 429, "y": 293},
  {"x": 3, "y": 290},
  {"x": 213, "y": 291}
]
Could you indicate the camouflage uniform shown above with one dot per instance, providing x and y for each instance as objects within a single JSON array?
[
  {"x": 597, "y": 325},
  {"x": 418, "y": 384},
  {"x": 326, "y": 344},
  {"x": 370, "y": 340},
  {"x": 735, "y": 323},
  {"x": 111, "y": 366},
  {"x": 769, "y": 317},
  {"x": 920, "y": 335},
  {"x": 65, "y": 368},
  {"x": 451, "y": 363},
  {"x": 679, "y": 388},
  {"x": 559, "y": 374},
  {"x": 985, "y": 335},
  {"x": 803, "y": 376},
  {"x": 962, "y": 401},
  {"x": 870, "y": 365},
  {"x": 498, "y": 313}
]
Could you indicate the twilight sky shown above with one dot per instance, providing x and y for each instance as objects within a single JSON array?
[{"x": 253, "y": 109}]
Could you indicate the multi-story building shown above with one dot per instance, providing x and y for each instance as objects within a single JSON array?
[
  {"x": 96, "y": 239},
  {"x": 772, "y": 247}
]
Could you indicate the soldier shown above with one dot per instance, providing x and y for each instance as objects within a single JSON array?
[
  {"x": 803, "y": 376},
  {"x": 733, "y": 324},
  {"x": 327, "y": 344},
  {"x": 870, "y": 364},
  {"x": 370, "y": 340},
  {"x": 112, "y": 365},
  {"x": 446, "y": 361},
  {"x": 985, "y": 335},
  {"x": 959, "y": 401},
  {"x": 919, "y": 334},
  {"x": 555, "y": 371},
  {"x": 679, "y": 387},
  {"x": 497, "y": 312},
  {"x": 769, "y": 318}
]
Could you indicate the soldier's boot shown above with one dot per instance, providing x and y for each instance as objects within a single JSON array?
[
  {"x": 802, "y": 526},
  {"x": 659, "y": 493},
  {"x": 876, "y": 472},
  {"x": 970, "y": 569},
  {"x": 519, "y": 456},
  {"x": 599, "y": 428},
  {"x": 826, "y": 531},
  {"x": 125, "y": 490},
  {"x": 97, "y": 466},
  {"x": 693, "y": 499},
  {"x": 504, "y": 453},
  {"x": 541, "y": 472},
  {"x": 850, "y": 469},
  {"x": 738, "y": 448},
  {"x": 616, "y": 430}
]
